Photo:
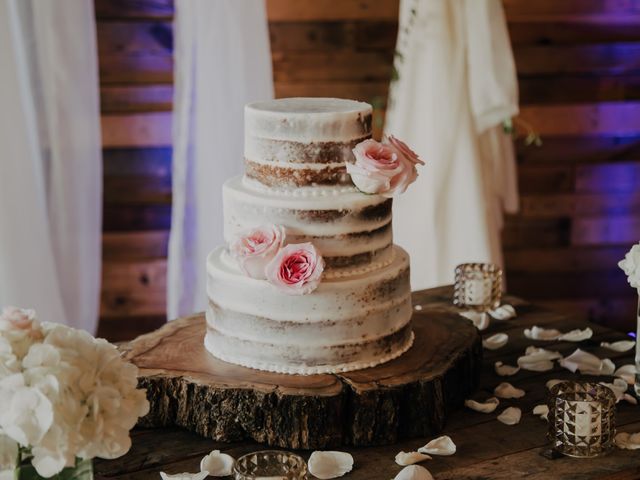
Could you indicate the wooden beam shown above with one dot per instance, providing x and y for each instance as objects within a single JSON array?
[
  {"x": 134, "y": 245},
  {"x": 330, "y": 10},
  {"x": 152, "y": 161},
  {"x": 122, "y": 218},
  {"x": 363, "y": 91},
  {"x": 136, "y": 130},
  {"x": 138, "y": 9},
  {"x": 580, "y": 149},
  {"x": 614, "y": 230},
  {"x": 586, "y": 11},
  {"x": 551, "y": 260},
  {"x": 136, "y": 98},
  {"x": 579, "y": 205}
]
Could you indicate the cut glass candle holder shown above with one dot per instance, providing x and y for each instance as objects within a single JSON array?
[
  {"x": 581, "y": 419},
  {"x": 478, "y": 286},
  {"x": 270, "y": 465}
]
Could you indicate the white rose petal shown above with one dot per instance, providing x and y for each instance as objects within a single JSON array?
[
  {"x": 553, "y": 382},
  {"x": 185, "y": 476},
  {"x": 479, "y": 319},
  {"x": 576, "y": 335},
  {"x": 627, "y": 372},
  {"x": 326, "y": 465},
  {"x": 439, "y": 446},
  {"x": 630, "y": 399},
  {"x": 217, "y": 464},
  {"x": 414, "y": 472},
  {"x": 505, "y": 370},
  {"x": 627, "y": 441},
  {"x": 506, "y": 390},
  {"x": 620, "y": 346},
  {"x": 538, "y": 359},
  {"x": 587, "y": 363},
  {"x": 541, "y": 411},
  {"x": 619, "y": 388},
  {"x": 487, "y": 406},
  {"x": 631, "y": 266},
  {"x": 409, "y": 458},
  {"x": 494, "y": 342},
  {"x": 510, "y": 416},
  {"x": 538, "y": 333},
  {"x": 503, "y": 312}
]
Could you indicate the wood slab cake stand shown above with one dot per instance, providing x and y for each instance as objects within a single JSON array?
[{"x": 407, "y": 397}]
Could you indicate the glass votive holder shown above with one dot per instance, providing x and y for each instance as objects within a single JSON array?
[
  {"x": 270, "y": 465},
  {"x": 478, "y": 286},
  {"x": 581, "y": 418}
]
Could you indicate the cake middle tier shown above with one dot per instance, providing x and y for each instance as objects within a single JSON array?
[{"x": 351, "y": 230}]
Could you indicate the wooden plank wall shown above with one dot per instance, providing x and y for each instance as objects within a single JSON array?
[{"x": 579, "y": 71}]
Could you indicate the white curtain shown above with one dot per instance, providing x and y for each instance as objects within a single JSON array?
[
  {"x": 50, "y": 165},
  {"x": 457, "y": 84},
  {"x": 222, "y": 61}
]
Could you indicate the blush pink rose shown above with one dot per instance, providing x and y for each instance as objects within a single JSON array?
[
  {"x": 13, "y": 318},
  {"x": 408, "y": 160},
  {"x": 254, "y": 249},
  {"x": 375, "y": 166},
  {"x": 296, "y": 269},
  {"x": 383, "y": 168}
]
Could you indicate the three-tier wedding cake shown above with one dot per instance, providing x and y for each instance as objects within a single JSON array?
[{"x": 310, "y": 281}]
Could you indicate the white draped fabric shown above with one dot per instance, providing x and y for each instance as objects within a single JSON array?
[
  {"x": 457, "y": 84},
  {"x": 51, "y": 166},
  {"x": 222, "y": 61}
]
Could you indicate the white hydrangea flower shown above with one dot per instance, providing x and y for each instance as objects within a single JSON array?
[{"x": 631, "y": 266}]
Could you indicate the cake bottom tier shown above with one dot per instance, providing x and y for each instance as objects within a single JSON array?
[{"x": 345, "y": 324}]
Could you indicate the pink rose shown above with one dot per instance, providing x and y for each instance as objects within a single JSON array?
[
  {"x": 255, "y": 248},
  {"x": 383, "y": 168},
  {"x": 408, "y": 159},
  {"x": 296, "y": 269},
  {"x": 13, "y": 318}
]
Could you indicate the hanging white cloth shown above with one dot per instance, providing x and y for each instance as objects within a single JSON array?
[
  {"x": 222, "y": 61},
  {"x": 457, "y": 84},
  {"x": 51, "y": 166}
]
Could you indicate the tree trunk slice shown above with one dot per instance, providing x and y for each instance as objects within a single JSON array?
[{"x": 410, "y": 396}]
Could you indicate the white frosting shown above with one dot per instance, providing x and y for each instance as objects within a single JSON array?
[
  {"x": 303, "y": 120},
  {"x": 298, "y": 192}
]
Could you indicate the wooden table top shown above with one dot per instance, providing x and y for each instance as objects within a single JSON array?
[{"x": 487, "y": 449}]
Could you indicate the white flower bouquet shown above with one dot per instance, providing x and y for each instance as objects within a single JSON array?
[{"x": 65, "y": 398}]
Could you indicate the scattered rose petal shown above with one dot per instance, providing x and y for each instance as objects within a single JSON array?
[
  {"x": 503, "y": 312},
  {"x": 619, "y": 388},
  {"x": 217, "y": 464},
  {"x": 506, "y": 390},
  {"x": 553, "y": 382},
  {"x": 576, "y": 335},
  {"x": 627, "y": 441},
  {"x": 496, "y": 341},
  {"x": 487, "y": 406},
  {"x": 621, "y": 346},
  {"x": 538, "y": 359},
  {"x": 587, "y": 363},
  {"x": 539, "y": 333},
  {"x": 627, "y": 372},
  {"x": 505, "y": 370},
  {"x": 439, "y": 446},
  {"x": 326, "y": 465},
  {"x": 630, "y": 398},
  {"x": 541, "y": 411},
  {"x": 409, "y": 458},
  {"x": 414, "y": 472},
  {"x": 417, "y": 307},
  {"x": 479, "y": 319},
  {"x": 510, "y": 416},
  {"x": 185, "y": 476}
]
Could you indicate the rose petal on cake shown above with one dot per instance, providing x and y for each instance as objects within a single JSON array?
[
  {"x": 587, "y": 363},
  {"x": 479, "y": 319},
  {"x": 620, "y": 346},
  {"x": 414, "y": 472},
  {"x": 627, "y": 372},
  {"x": 627, "y": 441},
  {"x": 503, "y": 312},
  {"x": 409, "y": 458},
  {"x": 505, "y": 370},
  {"x": 330, "y": 464},
  {"x": 506, "y": 390},
  {"x": 539, "y": 333},
  {"x": 217, "y": 464},
  {"x": 510, "y": 416},
  {"x": 439, "y": 446},
  {"x": 576, "y": 335},
  {"x": 494, "y": 342},
  {"x": 487, "y": 406},
  {"x": 541, "y": 411}
]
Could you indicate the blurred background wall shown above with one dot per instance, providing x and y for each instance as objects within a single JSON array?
[{"x": 579, "y": 70}]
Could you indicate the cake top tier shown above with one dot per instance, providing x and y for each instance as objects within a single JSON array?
[{"x": 308, "y": 120}]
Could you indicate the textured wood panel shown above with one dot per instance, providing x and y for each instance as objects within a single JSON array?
[
  {"x": 133, "y": 9},
  {"x": 136, "y": 130},
  {"x": 328, "y": 10}
]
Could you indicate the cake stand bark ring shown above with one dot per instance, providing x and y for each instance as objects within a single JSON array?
[{"x": 410, "y": 396}]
